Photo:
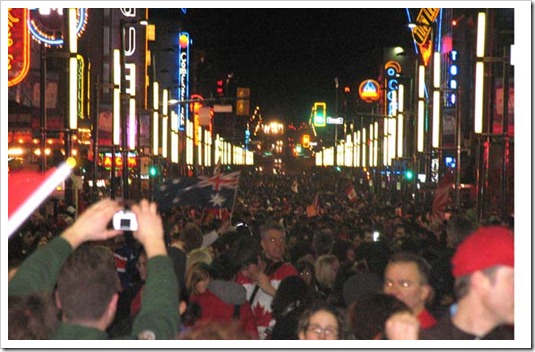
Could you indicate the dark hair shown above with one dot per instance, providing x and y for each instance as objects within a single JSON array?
[
  {"x": 368, "y": 314},
  {"x": 87, "y": 281},
  {"x": 424, "y": 268},
  {"x": 458, "y": 228},
  {"x": 323, "y": 242},
  {"x": 271, "y": 225},
  {"x": 32, "y": 317},
  {"x": 319, "y": 306},
  {"x": 293, "y": 293},
  {"x": 192, "y": 237}
]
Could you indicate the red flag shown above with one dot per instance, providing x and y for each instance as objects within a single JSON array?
[
  {"x": 351, "y": 193},
  {"x": 441, "y": 199},
  {"x": 27, "y": 190}
]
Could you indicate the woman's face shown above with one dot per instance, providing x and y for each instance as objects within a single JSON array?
[
  {"x": 201, "y": 286},
  {"x": 322, "y": 325},
  {"x": 306, "y": 275}
]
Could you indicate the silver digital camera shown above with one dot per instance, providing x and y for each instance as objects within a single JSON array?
[{"x": 125, "y": 220}]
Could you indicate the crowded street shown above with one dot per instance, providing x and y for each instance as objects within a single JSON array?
[{"x": 187, "y": 174}]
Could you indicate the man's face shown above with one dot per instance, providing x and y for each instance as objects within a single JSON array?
[
  {"x": 273, "y": 245},
  {"x": 403, "y": 280},
  {"x": 500, "y": 298},
  {"x": 400, "y": 232}
]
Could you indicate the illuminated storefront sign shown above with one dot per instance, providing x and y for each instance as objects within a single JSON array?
[
  {"x": 422, "y": 33},
  {"x": 183, "y": 78},
  {"x": 46, "y": 25},
  {"x": 370, "y": 91},
  {"x": 392, "y": 71},
  {"x": 18, "y": 58},
  {"x": 132, "y": 61},
  {"x": 195, "y": 109},
  {"x": 105, "y": 160}
]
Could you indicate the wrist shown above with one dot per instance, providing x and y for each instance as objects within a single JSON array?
[
  {"x": 70, "y": 236},
  {"x": 155, "y": 249}
]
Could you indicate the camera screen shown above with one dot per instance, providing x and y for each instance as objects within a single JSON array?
[{"x": 125, "y": 222}]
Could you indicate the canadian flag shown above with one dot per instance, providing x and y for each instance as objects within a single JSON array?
[{"x": 351, "y": 193}]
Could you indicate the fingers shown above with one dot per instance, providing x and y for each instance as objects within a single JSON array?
[
  {"x": 92, "y": 224},
  {"x": 402, "y": 326}
]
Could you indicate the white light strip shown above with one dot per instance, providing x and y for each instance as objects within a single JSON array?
[
  {"x": 436, "y": 119},
  {"x": 421, "y": 81},
  {"x": 400, "y": 136},
  {"x": 481, "y": 29},
  {"x": 478, "y": 109},
  {"x": 73, "y": 93},
  {"x": 421, "y": 112},
  {"x": 132, "y": 124},
  {"x": 436, "y": 70},
  {"x": 73, "y": 33}
]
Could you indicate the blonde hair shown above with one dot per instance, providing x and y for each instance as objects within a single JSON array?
[
  {"x": 324, "y": 267},
  {"x": 199, "y": 255},
  {"x": 196, "y": 273}
]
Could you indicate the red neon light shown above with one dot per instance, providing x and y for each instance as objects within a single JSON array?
[{"x": 18, "y": 42}]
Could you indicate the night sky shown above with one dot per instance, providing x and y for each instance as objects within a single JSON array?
[{"x": 290, "y": 57}]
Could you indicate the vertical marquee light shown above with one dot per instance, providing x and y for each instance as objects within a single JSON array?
[
  {"x": 376, "y": 143},
  {"x": 165, "y": 119},
  {"x": 116, "y": 126},
  {"x": 421, "y": 107},
  {"x": 130, "y": 78},
  {"x": 357, "y": 149},
  {"x": 174, "y": 137},
  {"x": 364, "y": 145},
  {"x": 155, "y": 118},
  {"x": 435, "y": 141},
  {"x": 480, "y": 53},
  {"x": 370, "y": 145},
  {"x": 401, "y": 102},
  {"x": 73, "y": 70}
]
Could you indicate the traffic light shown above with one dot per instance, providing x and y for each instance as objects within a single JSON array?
[
  {"x": 320, "y": 114},
  {"x": 153, "y": 171},
  {"x": 220, "y": 88},
  {"x": 306, "y": 141},
  {"x": 409, "y": 175}
]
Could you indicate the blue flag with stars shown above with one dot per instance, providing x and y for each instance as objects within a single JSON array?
[{"x": 208, "y": 192}]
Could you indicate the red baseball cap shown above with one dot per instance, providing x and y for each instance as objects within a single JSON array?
[{"x": 485, "y": 248}]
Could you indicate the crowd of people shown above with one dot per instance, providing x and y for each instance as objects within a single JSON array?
[{"x": 361, "y": 268}]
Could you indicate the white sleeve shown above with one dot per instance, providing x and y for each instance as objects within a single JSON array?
[{"x": 209, "y": 238}]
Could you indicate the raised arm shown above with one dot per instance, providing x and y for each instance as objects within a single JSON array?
[
  {"x": 158, "y": 317},
  {"x": 39, "y": 272}
]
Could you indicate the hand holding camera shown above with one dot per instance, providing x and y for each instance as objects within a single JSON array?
[{"x": 125, "y": 220}]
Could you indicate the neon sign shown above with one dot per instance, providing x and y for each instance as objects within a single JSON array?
[
  {"x": 195, "y": 108},
  {"x": 105, "y": 160},
  {"x": 423, "y": 30},
  {"x": 392, "y": 70},
  {"x": 183, "y": 78},
  {"x": 18, "y": 58},
  {"x": 46, "y": 25},
  {"x": 370, "y": 91}
]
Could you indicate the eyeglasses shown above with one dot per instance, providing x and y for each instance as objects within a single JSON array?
[
  {"x": 401, "y": 283},
  {"x": 274, "y": 239},
  {"x": 318, "y": 330}
]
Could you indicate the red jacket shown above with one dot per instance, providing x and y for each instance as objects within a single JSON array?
[{"x": 214, "y": 309}]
